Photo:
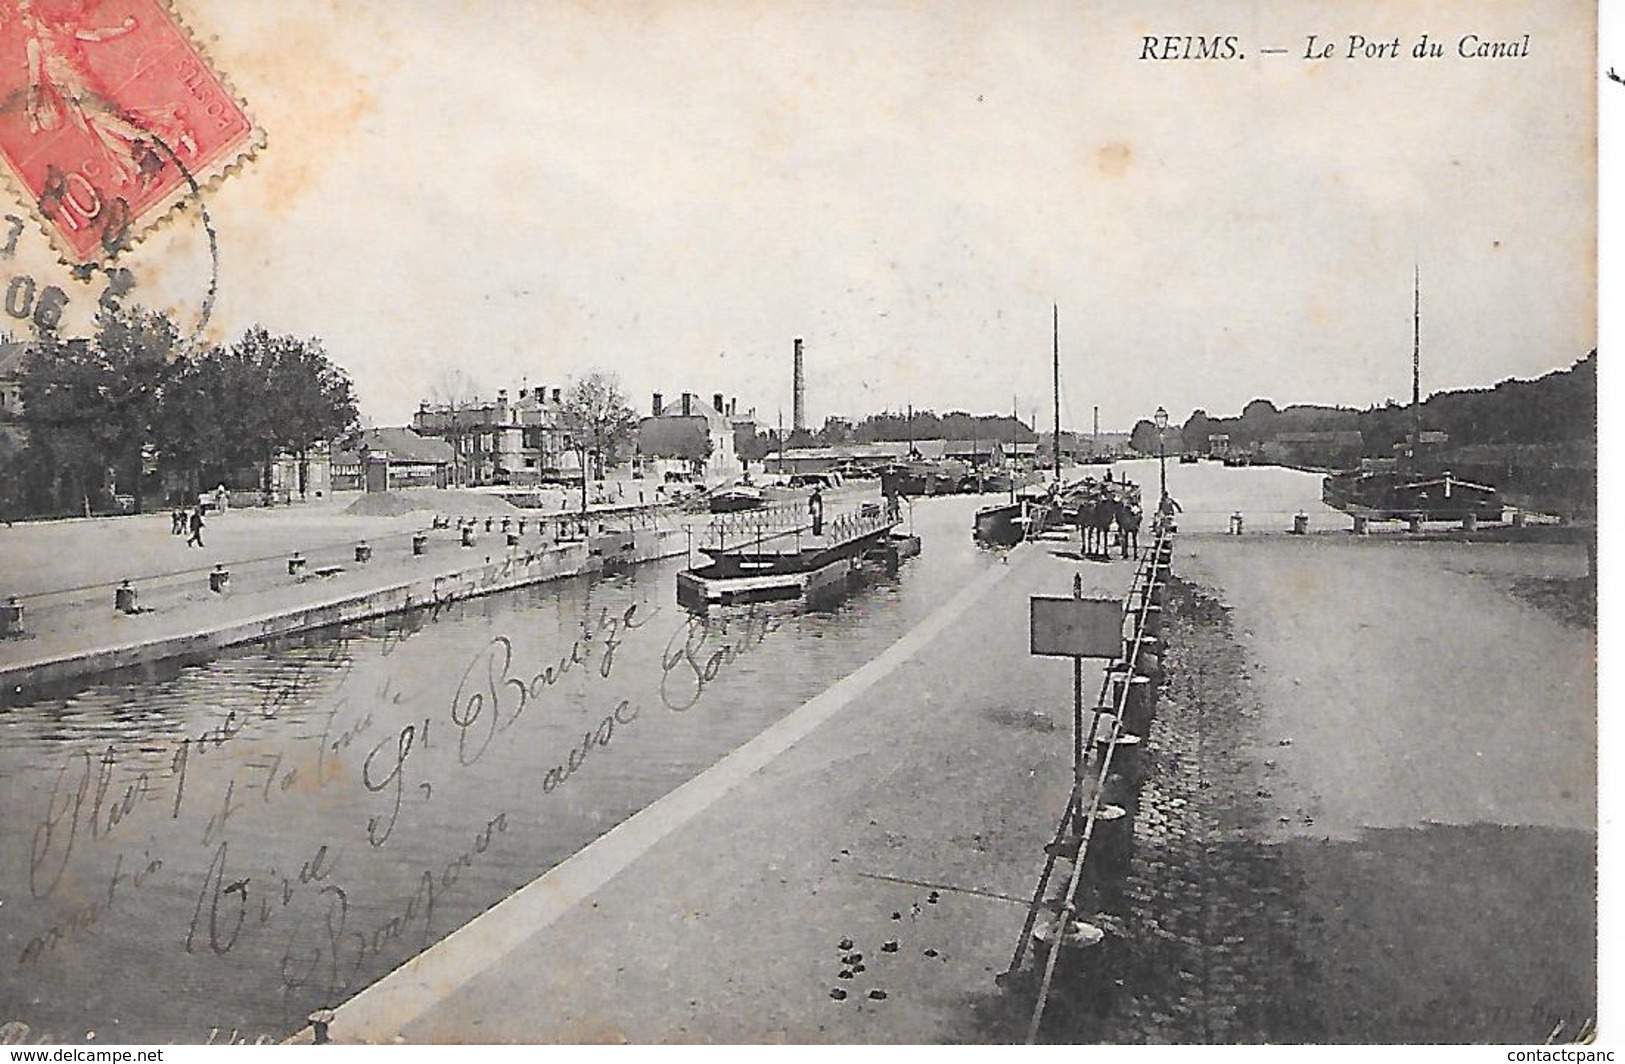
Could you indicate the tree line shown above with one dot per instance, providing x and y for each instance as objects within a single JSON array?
[
  {"x": 1559, "y": 407},
  {"x": 132, "y": 409},
  {"x": 890, "y": 427}
]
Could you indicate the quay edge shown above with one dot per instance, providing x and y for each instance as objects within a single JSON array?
[{"x": 516, "y": 570}]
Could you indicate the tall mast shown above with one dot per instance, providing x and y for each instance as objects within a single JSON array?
[
  {"x": 1055, "y": 446},
  {"x": 1014, "y": 461},
  {"x": 1416, "y": 359}
]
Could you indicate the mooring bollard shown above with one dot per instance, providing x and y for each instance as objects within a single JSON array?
[
  {"x": 1081, "y": 943},
  {"x": 1126, "y": 751},
  {"x": 124, "y": 598},
  {"x": 1148, "y": 664},
  {"x": 1236, "y": 523},
  {"x": 363, "y": 553},
  {"x": 1362, "y": 525},
  {"x": 11, "y": 617},
  {"x": 1124, "y": 791},
  {"x": 1469, "y": 522},
  {"x": 296, "y": 565},
  {"x": 1111, "y": 842},
  {"x": 420, "y": 543},
  {"x": 1300, "y": 523},
  {"x": 219, "y": 579},
  {"x": 1151, "y": 621},
  {"x": 1139, "y": 702},
  {"x": 1090, "y": 963},
  {"x": 468, "y": 535}
]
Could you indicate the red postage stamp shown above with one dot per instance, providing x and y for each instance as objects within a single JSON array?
[{"x": 109, "y": 115}]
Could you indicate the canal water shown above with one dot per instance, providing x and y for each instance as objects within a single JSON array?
[{"x": 213, "y": 851}]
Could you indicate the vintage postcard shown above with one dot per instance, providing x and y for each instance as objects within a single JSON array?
[{"x": 842, "y": 523}]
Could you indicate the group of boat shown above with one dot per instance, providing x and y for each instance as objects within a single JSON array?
[
  {"x": 795, "y": 564},
  {"x": 1403, "y": 490}
]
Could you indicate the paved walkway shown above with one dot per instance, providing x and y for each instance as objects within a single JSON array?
[
  {"x": 65, "y": 572},
  {"x": 902, "y": 813}
]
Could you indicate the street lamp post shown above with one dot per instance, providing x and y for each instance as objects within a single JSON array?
[{"x": 1161, "y": 418}]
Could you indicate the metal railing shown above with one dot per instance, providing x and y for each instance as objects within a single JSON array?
[
  {"x": 1088, "y": 789},
  {"x": 789, "y": 523}
]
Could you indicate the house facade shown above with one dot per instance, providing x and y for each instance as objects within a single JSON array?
[
  {"x": 520, "y": 441},
  {"x": 408, "y": 459},
  {"x": 689, "y": 436}
]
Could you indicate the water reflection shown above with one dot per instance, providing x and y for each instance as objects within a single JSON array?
[{"x": 232, "y": 844}]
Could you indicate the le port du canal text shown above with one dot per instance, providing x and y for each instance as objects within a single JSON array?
[{"x": 1185, "y": 47}]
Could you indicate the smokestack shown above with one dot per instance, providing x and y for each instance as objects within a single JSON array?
[
  {"x": 799, "y": 420},
  {"x": 656, "y": 405},
  {"x": 716, "y": 401},
  {"x": 688, "y": 404}
]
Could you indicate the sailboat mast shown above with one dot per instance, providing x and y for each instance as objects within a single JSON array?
[
  {"x": 1416, "y": 359},
  {"x": 1014, "y": 462},
  {"x": 1055, "y": 446}
]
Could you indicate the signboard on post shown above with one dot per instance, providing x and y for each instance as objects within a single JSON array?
[{"x": 1076, "y": 627}]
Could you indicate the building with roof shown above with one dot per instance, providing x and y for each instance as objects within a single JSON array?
[
  {"x": 979, "y": 454},
  {"x": 690, "y": 437},
  {"x": 12, "y": 354},
  {"x": 521, "y": 441},
  {"x": 865, "y": 457},
  {"x": 400, "y": 457}
]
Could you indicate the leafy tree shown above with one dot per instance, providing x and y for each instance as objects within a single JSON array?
[
  {"x": 599, "y": 420},
  {"x": 91, "y": 407},
  {"x": 1197, "y": 428},
  {"x": 456, "y": 396},
  {"x": 311, "y": 398},
  {"x": 283, "y": 394},
  {"x": 1143, "y": 438},
  {"x": 750, "y": 445}
]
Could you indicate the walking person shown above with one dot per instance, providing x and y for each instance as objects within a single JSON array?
[
  {"x": 177, "y": 521},
  {"x": 1166, "y": 510},
  {"x": 196, "y": 538},
  {"x": 815, "y": 506}
]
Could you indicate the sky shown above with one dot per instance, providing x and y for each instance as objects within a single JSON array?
[{"x": 674, "y": 191}]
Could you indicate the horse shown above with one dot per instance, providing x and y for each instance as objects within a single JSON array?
[
  {"x": 1095, "y": 514},
  {"x": 1128, "y": 528}
]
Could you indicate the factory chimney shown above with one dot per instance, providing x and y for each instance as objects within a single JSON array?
[
  {"x": 655, "y": 406},
  {"x": 799, "y": 420}
]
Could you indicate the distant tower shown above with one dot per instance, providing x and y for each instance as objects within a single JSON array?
[{"x": 798, "y": 421}]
